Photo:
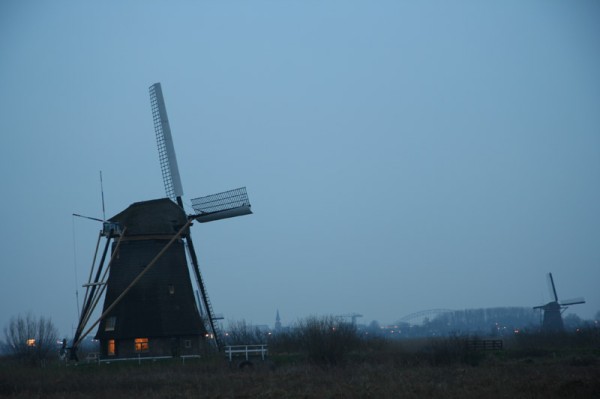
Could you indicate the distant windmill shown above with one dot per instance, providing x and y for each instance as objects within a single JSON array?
[
  {"x": 553, "y": 310},
  {"x": 149, "y": 307}
]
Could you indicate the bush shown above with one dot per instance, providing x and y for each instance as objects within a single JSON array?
[{"x": 450, "y": 350}]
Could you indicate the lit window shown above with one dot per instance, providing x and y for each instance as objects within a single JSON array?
[
  {"x": 141, "y": 344},
  {"x": 109, "y": 325},
  {"x": 31, "y": 342},
  {"x": 111, "y": 347}
]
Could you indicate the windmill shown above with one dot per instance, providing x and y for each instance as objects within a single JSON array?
[
  {"x": 553, "y": 310},
  {"x": 149, "y": 305}
]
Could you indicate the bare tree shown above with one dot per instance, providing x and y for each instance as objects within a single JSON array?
[
  {"x": 28, "y": 338},
  {"x": 241, "y": 333}
]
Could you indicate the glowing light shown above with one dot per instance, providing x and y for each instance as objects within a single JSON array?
[
  {"x": 31, "y": 342},
  {"x": 141, "y": 344},
  {"x": 111, "y": 348}
]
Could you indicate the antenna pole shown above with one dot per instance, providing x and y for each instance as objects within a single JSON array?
[
  {"x": 102, "y": 191},
  {"x": 75, "y": 268}
]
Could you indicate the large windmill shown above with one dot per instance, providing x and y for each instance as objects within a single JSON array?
[
  {"x": 553, "y": 321},
  {"x": 149, "y": 305}
]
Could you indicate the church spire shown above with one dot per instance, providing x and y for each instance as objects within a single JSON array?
[{"x": 277, "y": 321}]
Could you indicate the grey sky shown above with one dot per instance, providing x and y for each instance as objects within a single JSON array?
[{"x": 399, "y": 156}]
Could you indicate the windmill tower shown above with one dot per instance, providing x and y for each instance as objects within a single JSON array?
[
  {"x": 149, "y": 305},
  {"x": 552, "y": 321}
]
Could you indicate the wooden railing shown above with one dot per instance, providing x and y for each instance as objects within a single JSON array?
[{"x": 246, "y": 351}]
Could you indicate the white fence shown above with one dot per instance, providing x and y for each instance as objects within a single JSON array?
[{"x": 246, "y": 351}]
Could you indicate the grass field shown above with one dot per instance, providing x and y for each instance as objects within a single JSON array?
[{"x": 418, "y": 369}]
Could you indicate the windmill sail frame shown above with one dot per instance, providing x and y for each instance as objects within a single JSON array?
[
  {"x": 164, "y": 140},
  {"x": 223, "y": 205}
]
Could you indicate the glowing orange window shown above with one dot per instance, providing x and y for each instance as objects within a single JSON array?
[
  {"x": 141, "y": 344},
  {"x": 111, "y": 347}
]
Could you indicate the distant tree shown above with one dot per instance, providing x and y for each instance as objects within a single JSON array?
[{"x": 31, "y": 339}]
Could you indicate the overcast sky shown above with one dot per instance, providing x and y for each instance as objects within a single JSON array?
[{"x": 399, "y": 156}]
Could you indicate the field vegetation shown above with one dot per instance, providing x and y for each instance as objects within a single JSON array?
[{"x": 322, "y": 358}]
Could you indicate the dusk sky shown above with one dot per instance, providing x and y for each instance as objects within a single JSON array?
[{"x": 399, "y": 155}]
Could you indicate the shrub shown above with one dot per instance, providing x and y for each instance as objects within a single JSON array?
[
  {"x": 451, "y": 350},
  {"x": 322, "y": 340},
  {"x": 543, "y": 344}
]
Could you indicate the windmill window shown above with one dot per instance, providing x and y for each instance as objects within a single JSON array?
[
  {"x": 187, "y": 343},
  {"x": 109, "y": 325},
  {"x": 141, "y": 344},
  {"x": 111, "y": 348},
  {"x": 171, "y": 289}
]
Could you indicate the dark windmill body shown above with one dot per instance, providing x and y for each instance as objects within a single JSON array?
[
  {"x": 552, "y": 321},
  {"x": 150, "y": 309},
  {"x": 161, "y": 306}
]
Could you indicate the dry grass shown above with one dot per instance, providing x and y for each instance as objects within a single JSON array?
[
  {"x": 540, "y": 379},
  {"x": 380, "y": 371}
]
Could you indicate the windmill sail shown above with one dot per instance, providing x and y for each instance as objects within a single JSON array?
[
  {"x": 552, "y": 287},
  {"x": 574, "y": 301},
  {"x": 166, "y": 150},
  {"x": 223, "y": 205}
]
